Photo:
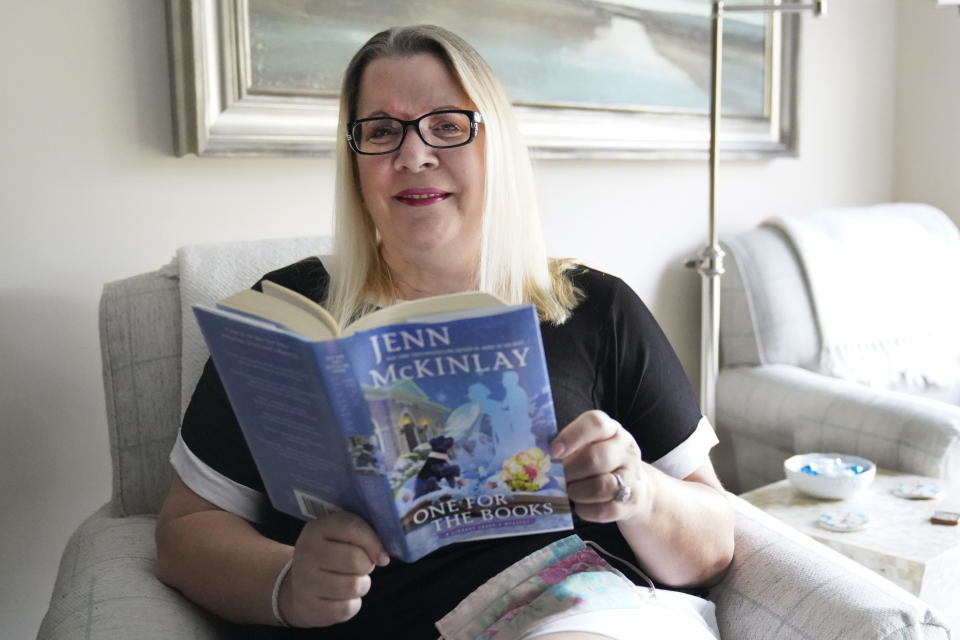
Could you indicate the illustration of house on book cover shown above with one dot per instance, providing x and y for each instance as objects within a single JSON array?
[{"x": 404, "y": 418}]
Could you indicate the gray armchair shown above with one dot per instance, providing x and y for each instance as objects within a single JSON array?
[
  {"x": 772, "y": 399},
  {"x": 781, "y": 584}
]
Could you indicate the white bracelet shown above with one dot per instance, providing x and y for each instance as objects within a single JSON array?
[{"x": 275, "y": 596}]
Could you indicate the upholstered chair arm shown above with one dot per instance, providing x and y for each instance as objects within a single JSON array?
[
  {"x": 785, "y": 585},
  {"x": 793, "y": 410},
  {"x": 106, "y": 588}
]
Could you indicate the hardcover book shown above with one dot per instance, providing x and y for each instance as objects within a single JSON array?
[{"x": 430, "y": 419}]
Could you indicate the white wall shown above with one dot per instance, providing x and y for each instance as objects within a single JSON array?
[{"x": 91, "y": 193}]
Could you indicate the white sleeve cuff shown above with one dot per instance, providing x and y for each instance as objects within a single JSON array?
[
  {"x": 213, "y": 486},
  {"x": 689, "y": 455}
]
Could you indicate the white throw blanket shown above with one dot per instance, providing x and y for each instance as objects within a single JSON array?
[
  {"x": 885, "y": 284},
  {"x": 210, "y": 272}
]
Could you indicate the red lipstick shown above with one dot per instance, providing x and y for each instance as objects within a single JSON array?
[{"x": 421, "y": 196}]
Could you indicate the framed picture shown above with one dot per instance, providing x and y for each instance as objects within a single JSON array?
[{"x": 589, "y": 79}]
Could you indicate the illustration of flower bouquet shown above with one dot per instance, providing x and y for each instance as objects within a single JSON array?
[{"x": 528, "y": 470}]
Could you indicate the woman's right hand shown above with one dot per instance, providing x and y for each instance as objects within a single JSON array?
[{"x": 332, "y": 562}]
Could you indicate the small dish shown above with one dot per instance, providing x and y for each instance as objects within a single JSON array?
[
  {"x": 833, "y": 476},
  {"x": 918, "y": 491},
  {"x": 844, "y": 522}
]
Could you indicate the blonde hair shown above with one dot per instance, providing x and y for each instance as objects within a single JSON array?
[{"x": 513, "y": 263}]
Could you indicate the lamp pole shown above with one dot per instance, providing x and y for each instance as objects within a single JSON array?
[{"x": 709, "y": 260}]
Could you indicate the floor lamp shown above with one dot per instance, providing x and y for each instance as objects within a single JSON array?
[{"x": 709, "y": 261}]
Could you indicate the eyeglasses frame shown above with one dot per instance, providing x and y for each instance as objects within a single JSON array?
[{"x": 475, "y": 119}]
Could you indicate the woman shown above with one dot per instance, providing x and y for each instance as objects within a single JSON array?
[{"x": 435, "y": 195}]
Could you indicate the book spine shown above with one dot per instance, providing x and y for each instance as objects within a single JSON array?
[{"x": 353, "y": 417}]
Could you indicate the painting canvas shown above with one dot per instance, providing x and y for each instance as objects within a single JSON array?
[
  {"x": 594, "y": 77},
  {"x": 633, "y": 54}
]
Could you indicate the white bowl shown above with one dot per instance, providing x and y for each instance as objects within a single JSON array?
[{"x": 829, "y": 475}]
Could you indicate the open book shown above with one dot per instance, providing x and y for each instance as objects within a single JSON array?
[{"x": 430, "y": 419}]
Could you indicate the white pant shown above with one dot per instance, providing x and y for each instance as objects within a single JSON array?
[{"x": 670, "y": 615}]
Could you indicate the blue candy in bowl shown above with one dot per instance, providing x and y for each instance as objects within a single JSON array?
[{"x": 829, "y": 475}]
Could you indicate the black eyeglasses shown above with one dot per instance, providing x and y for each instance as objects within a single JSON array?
[{"x": 438, "y": 129}]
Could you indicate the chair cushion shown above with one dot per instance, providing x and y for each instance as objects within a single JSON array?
[
  {"x": 209, "y": 272},
  {"x": 765, "y": 311}
]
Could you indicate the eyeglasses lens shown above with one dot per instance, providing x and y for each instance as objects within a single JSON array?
[{"x": 436, "y": 129}]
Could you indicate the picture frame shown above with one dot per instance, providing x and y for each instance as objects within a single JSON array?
[{"x": 222, "y": 107}]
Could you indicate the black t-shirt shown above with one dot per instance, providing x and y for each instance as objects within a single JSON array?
[{"x": 610, "y": 355}]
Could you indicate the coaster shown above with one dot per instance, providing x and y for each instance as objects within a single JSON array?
[
  {"x": 843, "y": 522},
  {"x": 918, "y": 491}
]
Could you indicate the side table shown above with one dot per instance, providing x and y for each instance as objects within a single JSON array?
[{"x": 900, "y": 543}]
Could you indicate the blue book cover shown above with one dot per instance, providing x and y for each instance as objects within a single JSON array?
[{"x": 434, "y": 430}]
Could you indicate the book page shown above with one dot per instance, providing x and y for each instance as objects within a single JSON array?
[
  {"x": 479, "y": 312},
  {"x": 301, "y": 301},
  {"x": 279, "y": 311},
  {"x": 404, "y": 311}
]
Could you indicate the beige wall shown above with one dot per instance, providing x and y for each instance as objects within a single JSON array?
[
  {"x": 91, "y": 193},
  {"x": 927, "y": 141}
]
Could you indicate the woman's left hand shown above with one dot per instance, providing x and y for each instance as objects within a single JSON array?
[
  {"x": 662, "y": 517},
  {"x": 595, "y": 450}
]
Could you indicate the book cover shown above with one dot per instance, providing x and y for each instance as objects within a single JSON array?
[{"x": 434, "y": 430}]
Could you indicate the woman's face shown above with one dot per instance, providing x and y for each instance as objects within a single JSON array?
[{"x": 426, "y": 203}]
